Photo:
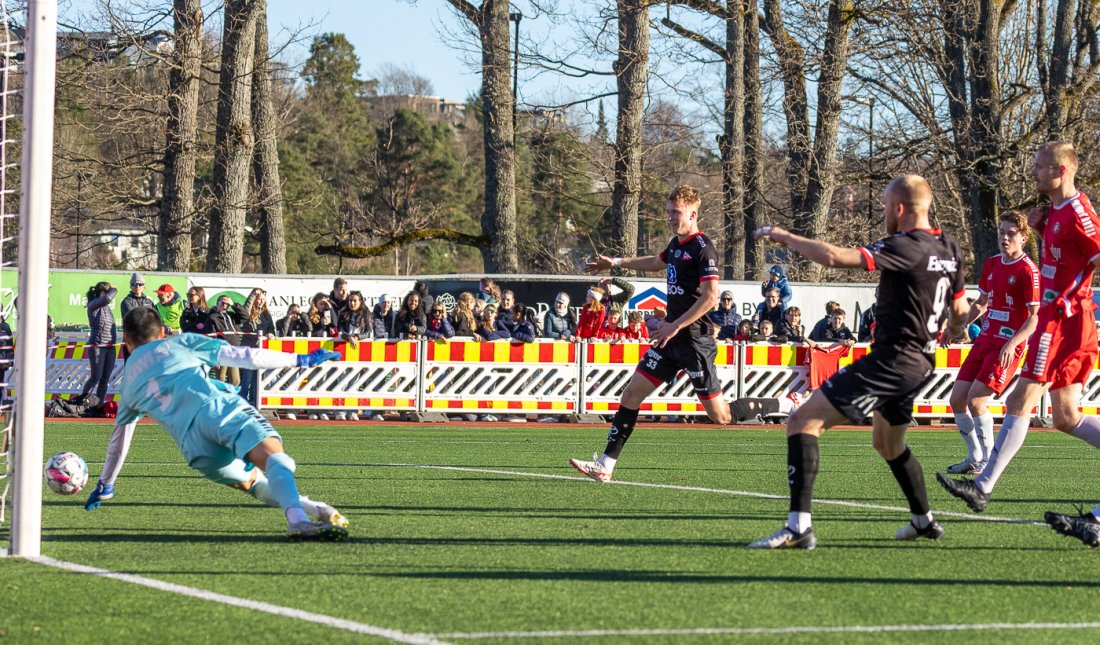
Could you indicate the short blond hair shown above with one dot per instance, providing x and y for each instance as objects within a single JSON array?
[
  {"x": 685, "y": 195},
  {"x": 1062, "y": 152}
]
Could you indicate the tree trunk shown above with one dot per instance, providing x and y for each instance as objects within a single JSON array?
[
  {"x": 754, "y": 146},
  {"x": 266, "y": 161},
  {"x": 732, "y": 145},
  {"x": 1061, "y": 53},
  {"x": 822, "y": 167},
  {"x": 233, "y": 138},
  {"x": 795, "y": 108},
  {"x": 985, "y": 129},
  {"x": 631, "y": 74},
  {"x": 177, "y": 207},
  {"x": 498, "y": 221}
]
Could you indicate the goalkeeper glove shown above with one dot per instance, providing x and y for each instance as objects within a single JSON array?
[
  {"x": 316, "y": 357},
  {"x": 100, "y": 493}
]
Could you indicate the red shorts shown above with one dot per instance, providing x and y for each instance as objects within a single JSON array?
[
  {"x": 1062, "y": 351},
  {"x": 982, "y": 364}
]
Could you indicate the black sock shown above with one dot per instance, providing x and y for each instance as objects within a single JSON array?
[
  {"x": 802, "y": 463},
  {"x": 907, "y": 471},
  {"x": 622, "y": 424}
]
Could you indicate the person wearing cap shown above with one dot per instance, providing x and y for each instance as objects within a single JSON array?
[
  {"x": 777, "y": 279},
  {"x": 385, "y": 317},
  {"x": 170, "y": 307},
  {"x": 725, "y": 316},
  {"x": 136, "y": 298},
  {"x": 559, "y": 323}
]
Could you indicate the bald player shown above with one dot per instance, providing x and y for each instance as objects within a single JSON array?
[
  {"x": 1062, "y": 350},
  {"x": 920, "y": 284}
]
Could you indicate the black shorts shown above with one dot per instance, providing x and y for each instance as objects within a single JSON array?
[
  {"x": 693, "y": 354},
  {"x": 882, "y": 381}
]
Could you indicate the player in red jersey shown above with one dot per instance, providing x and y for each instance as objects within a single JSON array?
[
  {"x": 1009, "y": 286},
  {"x": 1063, "y": 349}
]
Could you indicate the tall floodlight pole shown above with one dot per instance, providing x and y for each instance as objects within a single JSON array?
[
  {"x": 516, "y": 17},
  {"x": 34, "y": 249}
]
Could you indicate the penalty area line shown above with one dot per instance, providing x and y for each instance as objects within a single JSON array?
[
  {"x": 720, "y": 491},
  {"x": 244, "y": 603},
  {"x": 758, "y": 631}
]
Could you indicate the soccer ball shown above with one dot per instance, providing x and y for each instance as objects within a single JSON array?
[{"x": 66, "y": 473}]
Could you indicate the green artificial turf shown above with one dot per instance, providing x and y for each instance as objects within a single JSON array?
[{"x": 462, "y": 551}]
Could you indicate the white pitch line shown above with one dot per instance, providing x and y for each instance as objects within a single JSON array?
[
  {"x": 756, "y": 631},
  {"x": 245, "y": 603},
  {"x": 720, "y": 491}
]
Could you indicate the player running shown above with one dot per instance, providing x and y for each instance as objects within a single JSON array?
[
  {"x": 221, "y": 435},
  {"x": 684, "y": 340},
  {"x": 921, "y": 283},
  {"x": 1063, "y": 350},
  {"x": 1009, "y": 286}
]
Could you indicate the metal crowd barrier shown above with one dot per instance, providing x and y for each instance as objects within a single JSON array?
[{"x": 546, "y": 377}]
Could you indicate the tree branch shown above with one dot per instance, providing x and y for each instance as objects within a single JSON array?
[
  {"x": 468, "y": 10},
  {"x": 403, "y": 239},
  {"x": 695, "y": 37}
]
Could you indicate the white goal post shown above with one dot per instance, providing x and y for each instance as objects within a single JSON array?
[{"x": 40, "y": 74}]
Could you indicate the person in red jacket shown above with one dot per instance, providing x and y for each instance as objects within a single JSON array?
[
  {"x": 636, "y": 329},
  {"x": 612, "y": 329},
  {"x": 592, "y": 315}
]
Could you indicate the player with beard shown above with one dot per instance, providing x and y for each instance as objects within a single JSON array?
[{"x": 684, "y": 340}]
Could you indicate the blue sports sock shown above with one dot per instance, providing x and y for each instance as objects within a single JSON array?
[{"x": 280, "y": 481}]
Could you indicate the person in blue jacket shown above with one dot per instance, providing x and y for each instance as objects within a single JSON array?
[{"x": 777, "y": 279}]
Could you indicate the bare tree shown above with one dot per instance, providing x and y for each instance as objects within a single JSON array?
[
  {"x": 731, "y": 143},
  {"x": 498, "y": 220},
  {"x": 180, "y": 154},
  {"x": 233, "y": 138},
  {"x": 631, "y": 74},
  {"x": 266, "y": 161}
]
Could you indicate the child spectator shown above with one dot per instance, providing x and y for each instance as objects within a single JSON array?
[
  {"x": 743, "y": 333},
  {"x": 385, "y": 318},
  {"x": 837, "y": 331},
  {"x": 777, "y": 279},
  {"x": 196, "y": 313},
  {"x": 170, "y": 307},
  {"x": 765, "y": 334},
  {"x": 488, "y": 328},
  {"x": 559, "y": 323},
  {"x": 611, "y": 329},
  {"x": 322, "y": 318},
  {"x": 463, "y": 319},
  {"x": 654, "y": 320},
  {"x": 636, "y": 329},
  {"x": 438, "y": 326},
  {"x": 792, "y": 328},
  {"x": 819, "y": 327},
  {"x": 355, "y": 321},
  {"x": 592, "y": 314},
  {"x": 295, "y": 323},
  {"x": 523, "y": 328},
  {"x": 409, "y": 323}
]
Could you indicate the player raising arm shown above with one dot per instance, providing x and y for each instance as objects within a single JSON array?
[
  {"x": 684, "y": 340},
  {"x": 220, "y": 434},
  {"x": 920, "y": 284}
]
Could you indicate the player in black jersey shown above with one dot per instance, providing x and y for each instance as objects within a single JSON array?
[
  {"x": 921, "y": 283},
  {"x": 685, "y": 338}
]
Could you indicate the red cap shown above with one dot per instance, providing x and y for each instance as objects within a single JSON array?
[{"x": 166, "y": 288}]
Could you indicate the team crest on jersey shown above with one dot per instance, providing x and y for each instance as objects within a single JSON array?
[
  {"x": 687, "y": 256},
  {"x": 1057, "y": 226},
  {"x": 677, "y": 254},
  {"x": 1011, "y": 280}
]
